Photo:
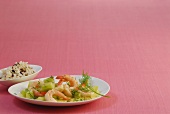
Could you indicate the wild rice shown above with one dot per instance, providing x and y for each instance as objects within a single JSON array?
[{"x": 18, "y": 70}]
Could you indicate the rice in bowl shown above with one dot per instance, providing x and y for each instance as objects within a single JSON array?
[{"x": 18, "y": 70}]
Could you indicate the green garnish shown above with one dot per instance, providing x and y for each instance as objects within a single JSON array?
[
  {"x": 50, "y": 79},
  {"x": 85, "y": 79},
  {"x": 86, "y": 84}
]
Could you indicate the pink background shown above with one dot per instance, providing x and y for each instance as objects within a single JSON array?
[{"x": 124, "y": 42}]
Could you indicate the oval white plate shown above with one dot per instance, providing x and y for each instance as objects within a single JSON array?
[
  {"x": 10, "y": 82},
  {"x": 16, "y": 89}
]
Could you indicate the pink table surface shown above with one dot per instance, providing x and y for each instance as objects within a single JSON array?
[{"x": 124, "y": 42}]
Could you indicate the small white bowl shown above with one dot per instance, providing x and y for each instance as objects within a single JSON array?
[{"x": 10, "y": 82}]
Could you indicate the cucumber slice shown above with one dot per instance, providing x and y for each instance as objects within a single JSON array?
[
  {"x": 47, "y": 86},
  {"x": 50, "y": 79},
  {"x": 40, "y": 98},
  {"x": 29, "y": 94},
  {"x": 23, "y": 92}
]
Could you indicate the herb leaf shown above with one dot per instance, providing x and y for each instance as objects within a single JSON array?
[
  {"x": 85, "y": 79},
  {"x": 86, "y": 84}
]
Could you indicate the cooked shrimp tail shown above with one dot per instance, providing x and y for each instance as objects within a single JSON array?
[
  {"x": 38, "y": 94},
  {"x": 49, "y": 95},
  {"x": 67, "y": 78}
]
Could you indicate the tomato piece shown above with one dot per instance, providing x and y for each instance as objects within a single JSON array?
[{"x": 43, "y": 92}]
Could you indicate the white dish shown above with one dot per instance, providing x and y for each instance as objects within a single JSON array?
[
  {"x": 10, "y": 82},
  {"x": 16, "y": 89}
]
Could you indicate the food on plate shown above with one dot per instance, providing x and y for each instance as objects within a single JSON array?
[
  {"x": 18, "y": 70},
  {"x": 61, "y": 89}
]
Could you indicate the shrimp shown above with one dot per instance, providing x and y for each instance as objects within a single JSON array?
[
  {"x": 33, "y": 84},
  {"x": 59, "y": 88},
  {"x": 49, "y": 95},
  {"x": 67, "y": 91},
  {"x": 37, "y": 93},
  {"x": 73, "y": 82}
]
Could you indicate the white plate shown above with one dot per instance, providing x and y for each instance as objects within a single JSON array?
[
  {"x": 16, "y": 89},
  {"x": 10, "y": 82}
]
